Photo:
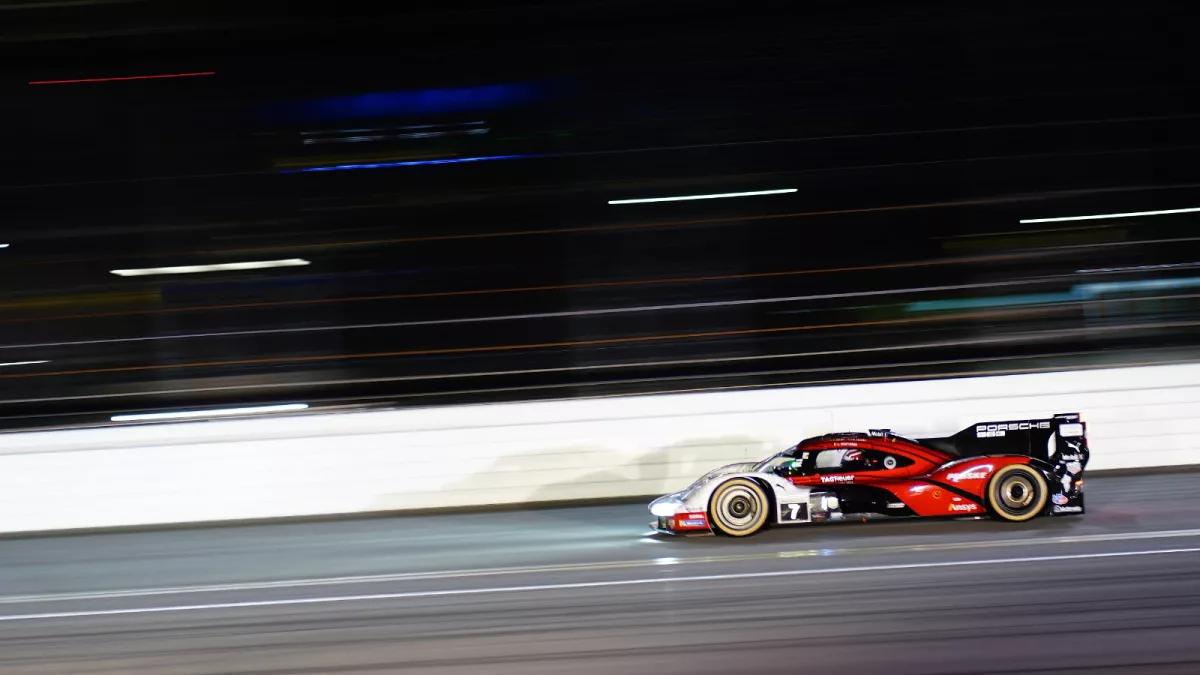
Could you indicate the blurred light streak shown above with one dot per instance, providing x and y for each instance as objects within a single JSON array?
[
  {"x": 398, "y": 103},
  {"x": 1023, "y": 337},
  {"x": 225, "y": 412},
  {"x": 1092, "y": 290},
  {"x": 533, "y": 289},
  {"x": 721, "y": 195},
  {"x": 582, "y": 312},
  {"x": 125, "y": 79},
  {"x": 21, "y": 363},
  {"x": 3, "y": 245},
  {"x": 402, "y": 133},
  {"x": 906, "y": 377},
  {"x": 220, "y": 267},
  {"x": 1110, "y": 215},
  {"x": 903, "y": 133},
  {"x": 410, "y": 135},
  {"x": 832, "y": 169},
  {"x": 487, "y": 349},
  {"x": 672, "y": 378},
  {"x": 1001, "y": 301},
  {"x": 1077, "y": 293},
  {"x": 55, "y": 301},
  {"x": 378, "y": 158},
  {"x": 732, "y": 220},
  {"x": 379, "y": 129},
  {"x": 419, "y": 162},
  {"x": 1047, "y": 230},
  {"x": 1139, "y": 268}
]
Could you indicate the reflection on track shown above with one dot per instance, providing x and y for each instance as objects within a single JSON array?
[{"x": 587, "y": 590}]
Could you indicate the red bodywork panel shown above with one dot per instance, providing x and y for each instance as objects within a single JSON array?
[
  {"x": 935, "y": 484},
  {"x": 684, "y": 522}
]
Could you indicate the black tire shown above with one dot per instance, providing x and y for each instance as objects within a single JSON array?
[
  {"x": 1017, "y": 493},
  {"x": 739, "y": 507}
]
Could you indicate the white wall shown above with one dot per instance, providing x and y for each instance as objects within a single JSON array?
[{"x": 509, "y": 453}]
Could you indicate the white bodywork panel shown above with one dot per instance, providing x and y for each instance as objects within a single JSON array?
[{"x": 695, "y": 498}]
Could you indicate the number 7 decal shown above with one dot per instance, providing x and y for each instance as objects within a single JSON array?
[{"x": 793, "y": 513}]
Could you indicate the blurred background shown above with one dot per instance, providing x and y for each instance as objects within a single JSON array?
[{"x": 214, "y": 204}]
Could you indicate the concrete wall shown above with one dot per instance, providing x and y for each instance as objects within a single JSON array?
[{"x": 510, "y": 453}]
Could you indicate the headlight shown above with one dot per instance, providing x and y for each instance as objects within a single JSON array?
[{"x": 665, "y": 509}]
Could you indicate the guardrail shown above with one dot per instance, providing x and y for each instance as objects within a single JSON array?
[{"x": 315, "y": 465}]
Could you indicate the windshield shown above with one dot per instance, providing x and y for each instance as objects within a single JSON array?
[
  {"x": 775, "y": 460},
  {"x": 768, "y": 464}
]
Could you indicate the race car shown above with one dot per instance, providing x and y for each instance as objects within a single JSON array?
[{"x": 1011, "y": 471}]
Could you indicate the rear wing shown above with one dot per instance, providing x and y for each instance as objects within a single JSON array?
[
  {"x": 1062, "y": 437},
  {"x": 1059, "y": 442}
]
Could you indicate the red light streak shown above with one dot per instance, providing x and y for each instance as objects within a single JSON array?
[{"x": 124, "y": 79}]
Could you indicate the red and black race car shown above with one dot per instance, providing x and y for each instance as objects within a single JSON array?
[{"x": 1012, "y": 470}]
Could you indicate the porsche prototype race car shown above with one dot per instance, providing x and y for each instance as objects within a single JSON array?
[{"x": 1013, "y": 471}]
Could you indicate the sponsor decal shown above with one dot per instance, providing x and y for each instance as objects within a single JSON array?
[
  {"x": 1068, "y": 509},
  {"x": 841, "y": 478},
  {"x": 691, "y": 523},
  {"x": 878, "y": 432},
  {"x": 1065, "y": 430},
  {"x": 889, "y": 462},
  {"x": 963, "y": 507},
  {"x": 975, "y": 473},
  {"x": 895, "y": 505},
  {"x": 1060, "y": 499},
  {"x": 1072, "y": 458},
  {"x": 1074, "y": 467},
  {"x": 995, "y": 430}
]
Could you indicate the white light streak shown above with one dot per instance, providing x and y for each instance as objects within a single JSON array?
[
  {"x": 722, "y": 195},
  {"x": 221, "y": 267},
  {"x": 224, "y": 412},
  {"x": 372, "y": 579},
  {"x": 1110, "y": 215},
  {"x": 539, "y": 588},
  {"x": 3, "y": 245},
  {"x": 21, "y": 363}
]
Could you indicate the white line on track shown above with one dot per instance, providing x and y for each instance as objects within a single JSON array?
[
  {"x": 579, "y": 585},
  {"x": 440, "y": 575}
]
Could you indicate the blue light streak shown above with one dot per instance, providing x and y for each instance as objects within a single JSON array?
[
  {"x": 1079, "y": 292},
  {"x": 413, "y": 102},
  {"x": 418, "y": 162}
]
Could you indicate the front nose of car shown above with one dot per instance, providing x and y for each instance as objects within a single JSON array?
[{"x": 665, "y": 506}]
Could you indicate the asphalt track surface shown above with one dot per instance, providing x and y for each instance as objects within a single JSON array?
[{"x": 587, "y": 590}]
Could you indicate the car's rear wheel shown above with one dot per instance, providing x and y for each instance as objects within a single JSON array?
[
  {"x": 1017, "y": 493},
  {"x": 739, "y": 507}
]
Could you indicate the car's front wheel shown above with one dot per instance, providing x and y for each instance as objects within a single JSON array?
[
  {"x": 1017, "y": 493},
  {"x": 739, "y": 507}
]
